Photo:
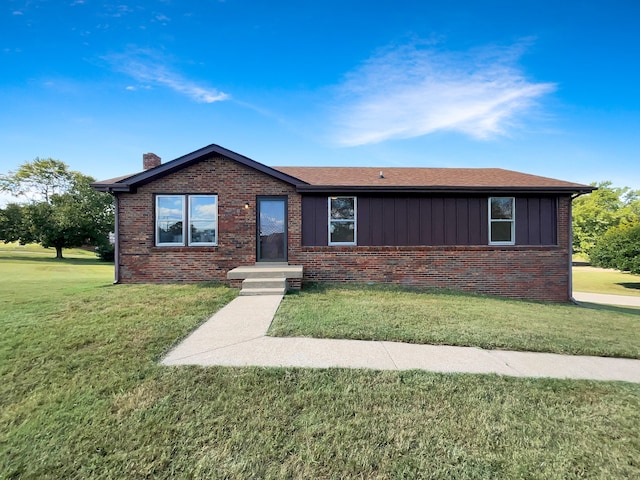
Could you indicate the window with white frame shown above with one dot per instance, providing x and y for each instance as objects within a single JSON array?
[
  {"x": 186, "y": 220},
  {"x": 342, "y": 220},
  {"x": 502, "y": 224},
  {"x": 203, "y": 220}
]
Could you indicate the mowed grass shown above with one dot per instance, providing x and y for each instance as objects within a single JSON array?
[
  {"x": 376, "y": 312},
  {"x": 82, "y": 396},
  {"x": 34, "y": 249},
  {"x": 597, "y": 280}
]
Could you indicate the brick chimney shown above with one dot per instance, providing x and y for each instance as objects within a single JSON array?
[{"x": 150, "y": 160}]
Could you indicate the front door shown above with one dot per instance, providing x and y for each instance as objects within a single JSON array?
[{"x": 272, "y": 229}]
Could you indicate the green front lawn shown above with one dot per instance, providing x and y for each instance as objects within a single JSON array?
[
  {"x": 82, "y": 396},
  {"x": 374, "y": 312},
  {"x": 597, "y": 280}
]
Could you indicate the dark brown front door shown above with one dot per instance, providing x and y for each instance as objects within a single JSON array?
[{"x": 272, "y": 229}]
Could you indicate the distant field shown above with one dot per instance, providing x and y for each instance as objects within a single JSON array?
[
  {"x": 596, "y": 280},
  {"x": 35, "y": 249}
]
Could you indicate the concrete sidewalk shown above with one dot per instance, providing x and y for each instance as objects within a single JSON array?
[
  {"x": 620, "y": 300},
  {"x": 235, "y": 336}
]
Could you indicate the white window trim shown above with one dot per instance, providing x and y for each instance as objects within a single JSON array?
[
  {"x": 188, "y": 221},
  {"x": 184, "y": 215},
  {"x": 512, "y": 221},
  {"x": 354, "y": 221}
]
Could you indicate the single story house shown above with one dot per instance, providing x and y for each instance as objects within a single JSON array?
[{"x": 487, "y": 230}]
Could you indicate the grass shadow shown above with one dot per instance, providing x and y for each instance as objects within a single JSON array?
[
  {"x": 210, "y": 284},
  {"x": 632, "y": 285},
  {"x": 321, "y": 287},
  {"x": 39, "y": 258},
  {"x": 610, "y": 308}
]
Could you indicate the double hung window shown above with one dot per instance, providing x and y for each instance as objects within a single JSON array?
[
  {"x": 342, "y": 220},
  {"x": 186, "y": 220},
  {"x": 502, "y": 221}
]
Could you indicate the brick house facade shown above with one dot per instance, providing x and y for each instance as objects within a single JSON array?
[
  {"x": 398, "y": 225},
  {"x": 142, "y": 261}
]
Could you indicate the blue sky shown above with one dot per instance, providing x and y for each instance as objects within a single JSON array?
[{"x": 545, "y": 87}]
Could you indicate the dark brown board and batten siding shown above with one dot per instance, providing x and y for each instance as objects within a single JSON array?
[{"x": 429, "y": 220}]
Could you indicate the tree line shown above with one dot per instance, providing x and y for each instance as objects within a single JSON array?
[{"x": 606, "y": 227}]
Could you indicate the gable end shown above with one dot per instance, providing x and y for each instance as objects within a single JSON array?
[{"x": 131, "y": 183}]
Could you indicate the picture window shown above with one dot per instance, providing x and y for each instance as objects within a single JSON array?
[{"x": 186, "y": 219}]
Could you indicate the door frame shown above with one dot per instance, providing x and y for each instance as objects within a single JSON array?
[{"x": 285, "y": 200}]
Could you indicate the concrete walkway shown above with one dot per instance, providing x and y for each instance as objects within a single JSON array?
[
  {"x": 235, "y": 336},
  {"x": 621, "y": 300}
]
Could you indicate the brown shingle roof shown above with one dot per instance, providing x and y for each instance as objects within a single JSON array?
[
  {"x": 421, "y": 177},
  {"x": 113, "y": 180},
  {"x": 343, "y": 179}
]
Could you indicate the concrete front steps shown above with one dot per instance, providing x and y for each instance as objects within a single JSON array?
[{"x": 265, "y": 278}]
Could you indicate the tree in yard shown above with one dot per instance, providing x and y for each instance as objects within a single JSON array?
[
  {"x": 619, "y": 248},
  {"x": 601, "y": 210},
  {"x": 62, "y": 210}
]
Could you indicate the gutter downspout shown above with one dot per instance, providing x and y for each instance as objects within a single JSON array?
[{"x": 116, "y": 250}]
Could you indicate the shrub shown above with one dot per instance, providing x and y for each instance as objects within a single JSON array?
[
  {"x": 106, "y": 252},
  {"x": 618, "y": 248}
]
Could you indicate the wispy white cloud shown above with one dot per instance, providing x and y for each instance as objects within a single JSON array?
[
  {"x": 412, "y": 90},
  {"x": 117, "y": 11},
  {"x": 134, "y": 88},
  {"x": 151, "y": 69}
]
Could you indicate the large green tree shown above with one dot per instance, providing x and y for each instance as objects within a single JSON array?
[
  {"x": 601, "y": 210},
  {"x": 38, "y": 180},
  {"x": 59, "y": 209}
]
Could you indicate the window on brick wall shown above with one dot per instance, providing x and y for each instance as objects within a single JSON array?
[
  {"x": 502, "y": 224},
  {"x": 203, "y": 220},
  {"x": 186, "y": 220},
  {"x": 342, "y": 220}
]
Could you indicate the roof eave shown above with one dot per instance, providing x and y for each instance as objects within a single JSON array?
[
  {"x": 112, "y": 187},
  {"x": 441, "y": 189}
]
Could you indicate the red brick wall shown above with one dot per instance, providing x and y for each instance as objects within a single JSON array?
[
  {"x": 534, "y": 272},
  {"x": 141, "y": 261},
  {"x": 537, "y": 272}
]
